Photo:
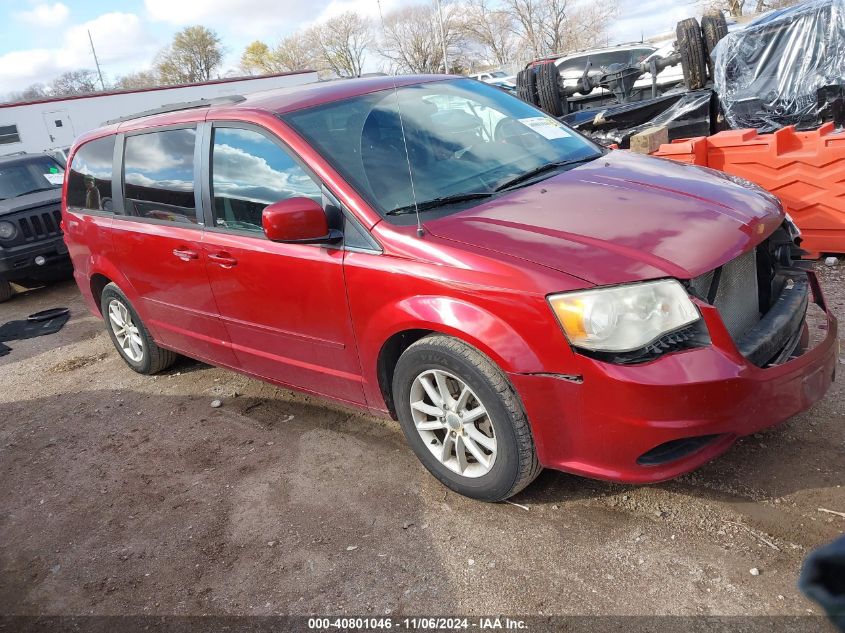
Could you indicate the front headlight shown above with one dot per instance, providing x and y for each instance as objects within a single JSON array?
[
  {"x": 7, "y": 230},
  {"x": 623, "y": 318}
]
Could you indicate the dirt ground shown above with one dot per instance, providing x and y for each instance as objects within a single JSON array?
[{"x": 126, "y": 494}]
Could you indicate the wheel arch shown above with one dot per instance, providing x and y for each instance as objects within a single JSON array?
[
  {"x": 420, "y": 316},
  {"x": 101, "y": 273}
]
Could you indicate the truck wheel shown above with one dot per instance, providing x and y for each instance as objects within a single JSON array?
[
  {"x": 129, "y": 335},
  {"x": 463, "y": 419},
  {"x": 714, "y": 27},
  {"x": 526, "y": 86},
  {"x": 6, "y": 291},
  {"x": 548, "y": 89},
  {"x": 691, "y": 47}
]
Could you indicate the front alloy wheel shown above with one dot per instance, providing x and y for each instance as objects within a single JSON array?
[
  {"x": 463, "y": 419},
  {"x": 453, "y": 423}
]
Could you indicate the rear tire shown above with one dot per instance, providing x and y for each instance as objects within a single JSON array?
[
  {"x": 130, "y": 336},
  {"x": 691, "y": 47},
  {"x": 526, "y": 86},
  {"x": 500, "y": 434},
  {"x": 6, "y": 291},
  {"x": 714, "y": 27},
  {"x": 548, "y": 89}
]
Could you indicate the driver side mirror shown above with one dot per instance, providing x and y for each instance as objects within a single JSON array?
[{"x": 299, "y": 221}]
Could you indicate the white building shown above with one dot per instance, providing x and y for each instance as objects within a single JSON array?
[{"x": 51, "y": 125}]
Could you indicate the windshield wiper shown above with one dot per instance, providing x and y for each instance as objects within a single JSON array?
[
  {"x": 517, "y": 180},
  {"x": 26, "y": 193},
  {"x": 439, "y": 202}
]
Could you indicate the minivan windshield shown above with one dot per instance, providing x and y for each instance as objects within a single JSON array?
[
  {"x": 456, "y": 142},
  {"x": 28, "y": 175}
]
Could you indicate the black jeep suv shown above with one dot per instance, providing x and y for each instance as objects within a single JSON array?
[{"x": 31, "y": 246}]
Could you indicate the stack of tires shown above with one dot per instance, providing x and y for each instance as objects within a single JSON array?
[{"x": 541, "y": 85}]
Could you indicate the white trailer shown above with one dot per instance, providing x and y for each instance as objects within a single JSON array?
[{"x": 51, "y": 125}]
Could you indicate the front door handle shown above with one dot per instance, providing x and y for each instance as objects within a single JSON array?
[
  {"x": 223, "y": 259},
  {"x": 185, "y": 255}
]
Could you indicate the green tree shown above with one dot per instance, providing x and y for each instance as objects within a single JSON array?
[{"x": 193, "y": 56}]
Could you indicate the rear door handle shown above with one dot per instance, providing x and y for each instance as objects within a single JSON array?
[
  {"x": 185, "y": 255},
  {"x": 223, "y": 259}
]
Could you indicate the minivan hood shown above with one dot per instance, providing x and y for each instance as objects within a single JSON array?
[{"x": 622, "y": 217}]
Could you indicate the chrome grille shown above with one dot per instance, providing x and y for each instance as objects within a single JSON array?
[{"x": 737, "y": 294}]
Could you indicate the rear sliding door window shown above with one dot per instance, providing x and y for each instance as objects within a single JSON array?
[
  {"x": 158, "y": 175},
  {"x": 90, "y": 177},
  {"x": 248, "y": 172}
]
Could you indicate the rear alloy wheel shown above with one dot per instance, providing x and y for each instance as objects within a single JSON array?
[
  {"x": 463, "y": 419},
  {"x": 714, "y": 27},
  {"x": 691, "y": 48},
  {"x": 6, "y": 291},
  {"x": 526, "y": 86},
  {"x": 129, "y": 335},
  {"x": 548, "y": 89}
]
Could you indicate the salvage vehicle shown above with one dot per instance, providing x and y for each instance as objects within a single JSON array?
[
  {"x": 31, "y": 244},
  {"x": 433, "y": 249},
  {"x": 595, "y": 79}
]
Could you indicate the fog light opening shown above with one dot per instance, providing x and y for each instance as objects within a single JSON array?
[{"x": 40, "y": 260}]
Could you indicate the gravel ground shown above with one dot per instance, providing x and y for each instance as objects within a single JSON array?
[{"x": 126, "y": 494}]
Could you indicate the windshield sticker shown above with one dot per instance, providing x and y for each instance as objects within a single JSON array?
[
  {"x": 546, "y": 127},
  {"x": 55, "y": 178}
]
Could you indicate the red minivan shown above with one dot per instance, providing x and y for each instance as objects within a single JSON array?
[{"x": 434, "y": 249}]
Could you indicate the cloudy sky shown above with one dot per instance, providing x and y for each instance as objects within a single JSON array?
[{"x": 41, "y": 39}]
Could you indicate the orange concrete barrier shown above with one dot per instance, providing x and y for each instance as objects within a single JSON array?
[{"x": 806, "y": 170}]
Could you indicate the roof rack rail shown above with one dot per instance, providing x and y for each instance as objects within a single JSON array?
[{"x": 176, "y": 107}]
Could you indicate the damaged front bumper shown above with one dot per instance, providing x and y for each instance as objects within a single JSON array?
[{"x": 656, "y": 420}]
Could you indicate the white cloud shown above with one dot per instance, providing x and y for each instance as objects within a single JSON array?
[
  {"x": 255, "y": 19},
  {"x": 650, "y": 18},
  {"x": 368, "y": 8},
  {"x": 45, "y": 15},
  {"x": 121, "y": 40},
  {"x": 118, "y": 37}
]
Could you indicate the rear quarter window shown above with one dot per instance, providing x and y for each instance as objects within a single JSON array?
[{"x": 89, "y": 185}]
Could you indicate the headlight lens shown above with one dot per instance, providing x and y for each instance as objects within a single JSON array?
[
  {"x": 623, "y": 318},
  {"x": 7, "y": 230}
]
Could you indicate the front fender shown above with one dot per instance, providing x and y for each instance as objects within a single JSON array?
[{"x": 445, "y": 315}]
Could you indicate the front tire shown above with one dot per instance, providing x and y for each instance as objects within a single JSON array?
[
  {"x": 463, "y": 419},
  {"x": 130, "y": 336}
]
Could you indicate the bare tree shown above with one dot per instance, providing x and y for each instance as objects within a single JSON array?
[
  {"x": 411, "y": 39},
  {"x": 75, "y": 82},
  {"x": 194, "y": 55},
  {"x": 136, "y": 80},
  {"x": 546, "y": 27},
  {"x": 527, "y": 16},
  {"x": 736, "y": 8},
  {"x": 491, "y": 29},
  {"x": 30, "y": 93},
  {"x": 342, "y": 42}
]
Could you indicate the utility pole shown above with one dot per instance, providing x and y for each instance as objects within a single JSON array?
[
  {"x": 443, "y": 38},
  {"x": 96, "y": 61}
]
